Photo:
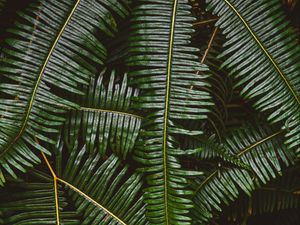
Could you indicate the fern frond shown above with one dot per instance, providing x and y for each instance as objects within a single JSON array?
[
  {"x": 103, "y": 119},
  {"x": 274, "y": 199},
  {"x": 33, "y": 203},
  {"x": 263, "y": 53},
  {"x": 256, "y": 147},
  {"x": 277, "y": 196},
  {"x": 54, "y": 45},
  {"x": 210, "y": 149},
  {"x": 84, "y": 190},
  {"x": 164, "y": 67}
]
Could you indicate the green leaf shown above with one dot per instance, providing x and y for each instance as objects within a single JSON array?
[
  {"x": 164, "y": 68},
  {"x": 86, "y": 190},
  {"x": 104, "y": 118},
  {"x": 54, "y": 46},
  {"x": 271, "y": 200},
  {"x": 34, "y": 203},
  {"x": 263, "y": 53},
  {"x": 257, "y": 147}
]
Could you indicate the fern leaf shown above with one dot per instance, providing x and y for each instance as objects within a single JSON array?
[
  {"x": 259, "y": 149},
  {"x": 48, "y": 50},
  {"x": 164, "y": 67},
  {"x": 104, "y": 119},
  {"x": 263, "y": 53}
]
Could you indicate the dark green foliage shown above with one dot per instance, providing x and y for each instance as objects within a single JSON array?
[
  {"x": 103, "y": 118},
  {"x": 276, "y": 199},
  {"x": 164, "y": 69},
  {"x": 270, "y": 76},
  {"x": 137, "y": 112},
  {"x": 255, "y": 147},
  {"x": 48, "y": 50},
  {"x": 104, "y": 181}
]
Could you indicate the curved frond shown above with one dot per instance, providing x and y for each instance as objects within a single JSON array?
[
  {"x": 104, "y": 119},
  {"x": 33, "y": 203},
  {"x": 96, "y": 191},
  {"x": 164, "y": 67},
  {"x": 104, "y": 193},
  {"x": 53, "y": 46},
  {"x": 263, "y": 53},
  {"x": 273, "y": 200},
  {"x": 259, "y": 149},
  {"x": 277, "y": 196},
  {"x": 212, "y": 150}
]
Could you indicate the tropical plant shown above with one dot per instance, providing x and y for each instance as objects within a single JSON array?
[{"x": 138, "y": 112}]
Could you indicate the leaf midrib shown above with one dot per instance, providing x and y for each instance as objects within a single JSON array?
[
  {"x": 252, "y": 146},
  {"x": 91, "y": 200},
  {"x": 35, "y": 89},
  {"x": 166, "y": 111},
  {"x": 98, "y": 110},
  {"x": 293, "y": 92},
  {"x": 258, "y": 143}
]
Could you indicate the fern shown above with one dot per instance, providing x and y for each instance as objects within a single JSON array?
[
  {"x": 255, "y": 147},
  {"x": 35, "y": 61},
  {"x": 164, "y": 68},
  {"x": 161, "y": 112},
  {"x": 103, "y": 118},
  {"x": 270, "y": 75},
  {"x": 98, "y": 191}
]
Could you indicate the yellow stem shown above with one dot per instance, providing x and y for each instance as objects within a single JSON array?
[
  {"x": 204, "y": 22},
  {"x": 55, "y": 188},
  {"x": 55, "y": 179},
  {"x": 209, "y": 44},
  {"x": 35, "y": 89},
  {"x": 166, "y": 112},
  {"x": 258, "y": 143},
  {"x": 264, "y": 50}
]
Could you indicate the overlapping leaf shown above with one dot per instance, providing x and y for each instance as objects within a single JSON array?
[
  {"x": 274, "y": 200},
  {"x": 256, "y": 147},
  {"x": 54, "y": 46},
  {"x": 34, "y": 203},
  {"x": 164, "y": 67},
  {"x": 211, "y": 149},
  {"x": 279, "y": 195},
  {"x": 49, "y": 63},
  {"x": 117, "y": 192},
  {"x": 104, "y": 118},
  {"x": 263, "y": 54},
  {"x": 84, "y": 189}
]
